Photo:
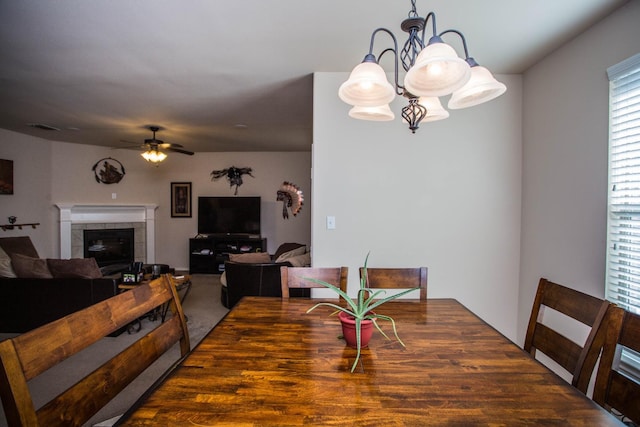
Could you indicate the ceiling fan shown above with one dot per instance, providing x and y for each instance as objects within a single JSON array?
[{"x": 153, "y": 147}]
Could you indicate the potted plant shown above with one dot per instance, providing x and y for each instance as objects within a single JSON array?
[{"x": 360, "y": 313}]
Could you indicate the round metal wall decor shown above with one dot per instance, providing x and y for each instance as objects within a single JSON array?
[{"x": 108, "y": 171}]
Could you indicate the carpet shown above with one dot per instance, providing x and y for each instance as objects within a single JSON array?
[{"x": 203, "y": 309}]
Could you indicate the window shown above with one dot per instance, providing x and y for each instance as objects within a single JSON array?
[
  {"x": 623, "y": 257},
  {"x": 623, "y": 234}
]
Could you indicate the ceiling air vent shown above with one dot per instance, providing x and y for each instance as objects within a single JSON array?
[{"x": 41, "y": 126}]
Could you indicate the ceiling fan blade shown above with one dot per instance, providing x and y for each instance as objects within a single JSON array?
[
  {"x": 169, "y": 145},
  {"x": 131, "y": 145},
  {"x": 179, "y": 150}
]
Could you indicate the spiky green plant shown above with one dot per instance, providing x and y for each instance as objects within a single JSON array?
[{"x": 362, "y": 308}]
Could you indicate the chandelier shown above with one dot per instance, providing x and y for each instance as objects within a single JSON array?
[{"x": 432, "y": 70}]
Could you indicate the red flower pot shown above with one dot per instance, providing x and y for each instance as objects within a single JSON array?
[{"x": 349, "y": 330}]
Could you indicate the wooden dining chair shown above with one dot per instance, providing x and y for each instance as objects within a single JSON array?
[
  {"x": 297, "y": 278},
  {"x": 181, "y": 284},
  {"x": 613, "y": 389},
  {"x": 28, "y": 355},
  {"x": 578, "y": 360},
  {"x": 397, "y": 278}
]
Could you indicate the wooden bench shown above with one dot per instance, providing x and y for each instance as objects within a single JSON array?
[{"x": 32, "y": 353}]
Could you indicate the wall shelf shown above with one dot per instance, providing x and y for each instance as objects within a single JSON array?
[{"x": 6, "y": 227}]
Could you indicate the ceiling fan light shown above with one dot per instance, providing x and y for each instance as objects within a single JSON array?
[
  {"x": 481, "y": 87},
  {"x": 367, "y": 86},
  {"x": 435, "y": 110},
  {"x": 438, "y": 71},
  {"x": 381, "y": 113},
  {"x": 153, "y": 156}
]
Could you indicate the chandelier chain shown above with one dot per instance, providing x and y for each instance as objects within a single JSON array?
[{"x": 413, "y": 13}]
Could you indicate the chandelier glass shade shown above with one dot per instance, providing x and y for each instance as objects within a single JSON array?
[
  {"x": 367, "y": 86},
  {"x": 435, "y": 110},
  {"x": 381, "y": 113},
  {"x": 438, "y": 71},
  {"x": 481, "y": 87},
  {"x": 432, "y": 70},
  {"x": 154, "y": 156}
]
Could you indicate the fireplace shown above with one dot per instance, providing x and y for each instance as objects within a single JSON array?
[
  {"x": 76, "y": 218},
  {"x": 113, "y": 247}
]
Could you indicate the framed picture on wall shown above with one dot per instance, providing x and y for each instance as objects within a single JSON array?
[
  {"x": 181, "y": 200},
  {"x": 6, "y": 176}
]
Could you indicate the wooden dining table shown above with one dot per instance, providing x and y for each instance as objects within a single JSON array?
[{"x": 269, "y": 363}]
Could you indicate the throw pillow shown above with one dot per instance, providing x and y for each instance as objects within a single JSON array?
[
  {"x": 290, "y": 254},
  {"x": 251, "y": 257},
  {"x": 303, "y": 260},
  {"x": 286, "y": 247},
  {"x": 75, "y": 268},
  {"x": 18, "y": 245},
  {"x": 5, "y": 265},
  {"x": 30, "y": 268},
  {"x": 223, "y": 279}
]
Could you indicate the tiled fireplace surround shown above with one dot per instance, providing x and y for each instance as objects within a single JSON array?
[{"x": 76, "y": 218}]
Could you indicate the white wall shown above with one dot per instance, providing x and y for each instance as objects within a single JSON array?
[
  {"x": 47, "y": 173},
  {"x": 447, "y": 197},
  {"x": 565, "y": 139},
  {"x": 31, "y": 198}
]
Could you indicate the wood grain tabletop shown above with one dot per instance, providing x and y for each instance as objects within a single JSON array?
[{"x": 268, "y": 363}]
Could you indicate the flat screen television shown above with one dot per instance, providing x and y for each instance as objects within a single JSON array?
[{"x": 228, "y": 215}]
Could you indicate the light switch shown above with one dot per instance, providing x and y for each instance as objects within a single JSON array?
[
  {"x": 331, "y": 222},
  {"x": 113, "y": 196}
]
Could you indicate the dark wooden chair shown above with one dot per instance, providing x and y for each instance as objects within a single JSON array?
[
  {"x": 250, "y": 279},
  {"x": 397, "y": 278},
  {"x": 614, "y": 389},
  {"x": 295, "y": 278},
  {"x": 578, "y": 360},
  {"x": 28, "y": 355}
]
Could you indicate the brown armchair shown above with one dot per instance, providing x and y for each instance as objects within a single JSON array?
[
  {"x": 259, "y": 274},
  {"x": 250, "y": 279}
]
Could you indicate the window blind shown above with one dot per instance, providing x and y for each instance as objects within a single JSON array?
[{"x": 623, "y": 255}]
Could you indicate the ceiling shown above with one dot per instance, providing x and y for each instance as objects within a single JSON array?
[{"x": 230, "y": 76}]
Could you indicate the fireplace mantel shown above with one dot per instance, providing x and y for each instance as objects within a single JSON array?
[{"x": 85, "y": 214}]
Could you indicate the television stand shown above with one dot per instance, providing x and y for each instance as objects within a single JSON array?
[{"x": 208, "y": 254}]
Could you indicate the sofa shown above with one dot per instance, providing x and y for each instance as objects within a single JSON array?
[
  {"x": 35, "y": 291},
  {"x": 258, "y": 274}
]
